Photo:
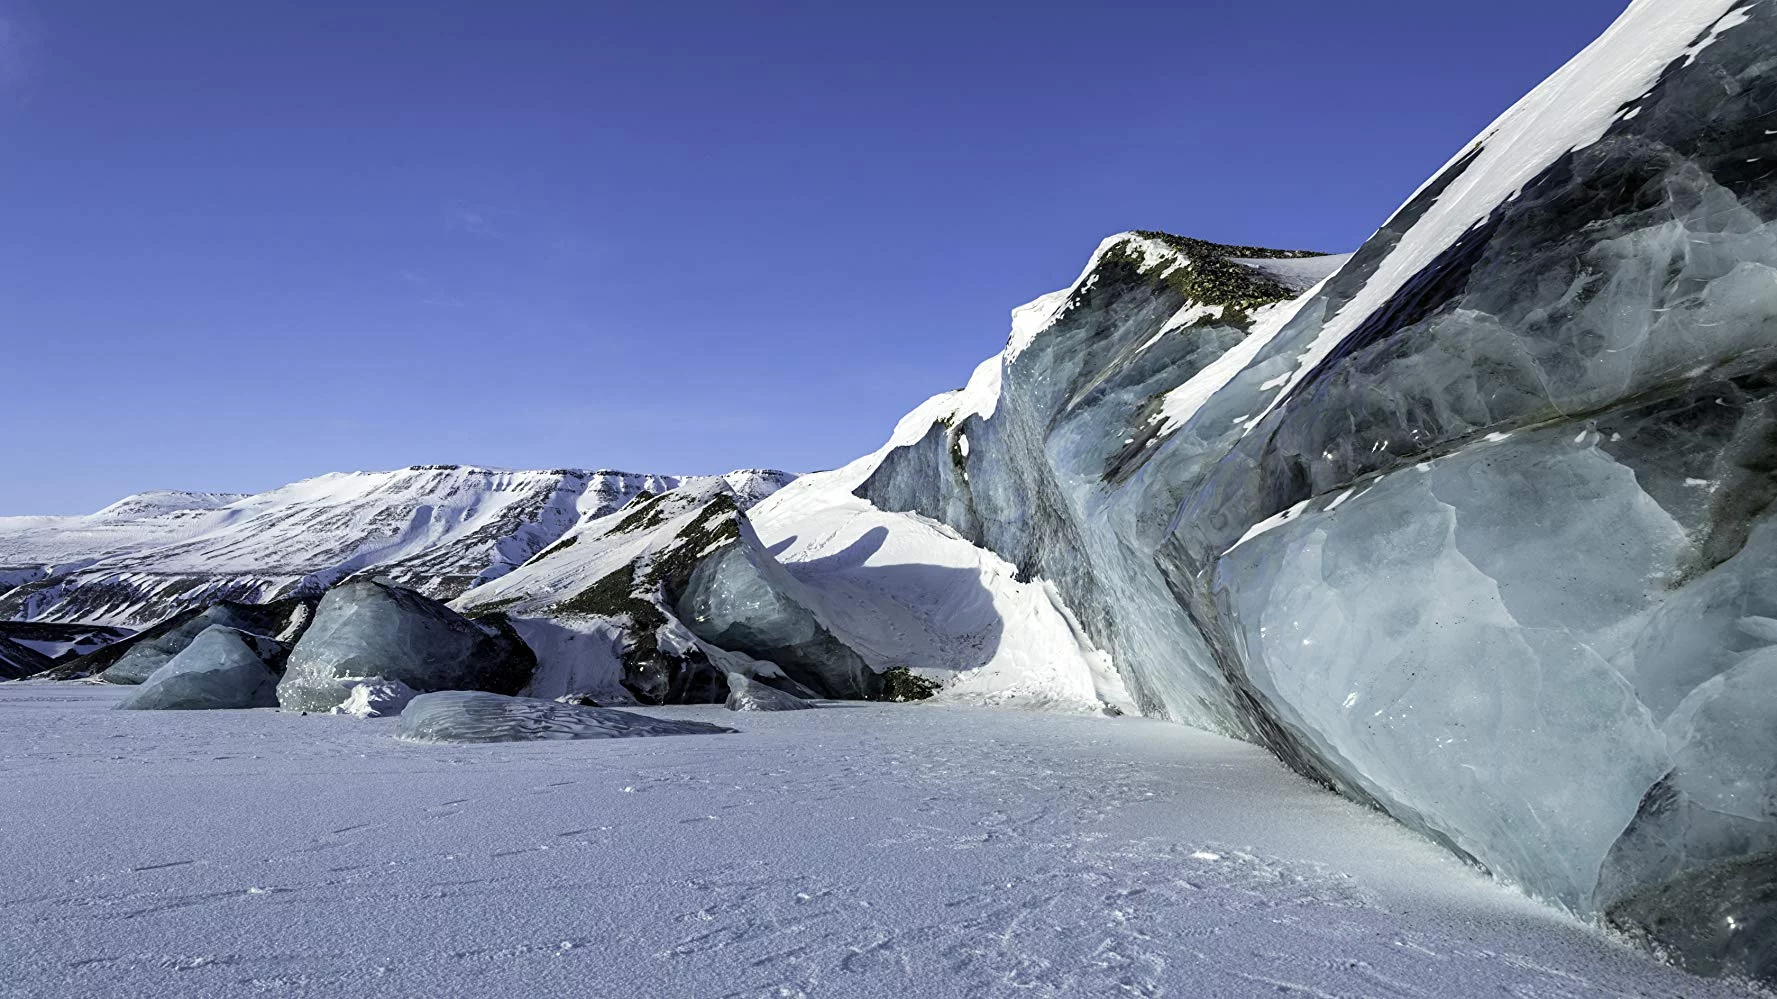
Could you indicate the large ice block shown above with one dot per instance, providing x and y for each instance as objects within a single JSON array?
[
  {"x": 367, "y": 629},
  {"x": 221, "y": 668}
]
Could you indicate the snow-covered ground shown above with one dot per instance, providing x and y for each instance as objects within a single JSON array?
[{"x": 882, "y": 850}]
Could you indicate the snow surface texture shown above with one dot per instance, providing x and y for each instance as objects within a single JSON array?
[
  {"x": 750, "y": 695},
  {"x": 375, "y": 698},
  {"x": 437, "y": 529},
  {"x": 222, "y": 668},
  {"x": 472, "y": 716},
  {"x": 860, "y": 850},
  {"x": 1476, "y": 530}
]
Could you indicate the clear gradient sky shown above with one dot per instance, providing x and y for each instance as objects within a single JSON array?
[{"x": 244, "y": 242}]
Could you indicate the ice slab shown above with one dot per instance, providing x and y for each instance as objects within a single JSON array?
[
  {"x": 746, "y": 694},
  {"x": 474, "y": 716}
]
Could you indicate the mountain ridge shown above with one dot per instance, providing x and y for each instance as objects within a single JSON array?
[{"x": 440, "y": 529}]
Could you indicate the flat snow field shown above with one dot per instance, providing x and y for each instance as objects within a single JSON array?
[{"x": 906, "y": 851}]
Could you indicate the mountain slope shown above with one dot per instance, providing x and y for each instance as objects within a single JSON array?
[
  {"x": 637, "y": 606},
  {"x": 18, "y": 661},
  {"x": 437, "y": 529}
]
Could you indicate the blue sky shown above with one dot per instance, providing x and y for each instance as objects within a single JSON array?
[{"x": 245, "y": 243}]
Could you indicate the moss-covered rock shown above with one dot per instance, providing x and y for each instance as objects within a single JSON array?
[{"x": 902, "y": 684}]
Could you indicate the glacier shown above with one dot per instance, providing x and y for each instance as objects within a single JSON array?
[
  {"x": 1476, "y": 530},
  {"x": 1473, "y": 525}
]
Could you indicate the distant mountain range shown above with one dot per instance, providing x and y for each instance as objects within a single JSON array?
[{"x": 439, "y": 529}]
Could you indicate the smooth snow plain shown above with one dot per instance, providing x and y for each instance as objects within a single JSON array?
[{"x": 855, "y": 850}]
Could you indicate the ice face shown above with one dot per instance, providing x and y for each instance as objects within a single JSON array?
[
  {"x": 1402, "y": 631},
  {"x": 367, "y": 630},
  {"x": 1480, "y": 533},
  {"x": 221, "y": 668},
  {"x": 140, "y": 656},
  {"x": 1514, "y": 586},
  {"x": 742, "y": 600},
  {"x": 474, "y": 716},
  {"x": 750, "y": 695}
]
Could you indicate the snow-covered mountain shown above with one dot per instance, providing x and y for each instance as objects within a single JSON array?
[
  {"x": 438, "y": 529},
  {"x": 1474, "y": 525}
]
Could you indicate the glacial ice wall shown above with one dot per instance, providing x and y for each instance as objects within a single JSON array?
[{"x": 1478, "y": 531}]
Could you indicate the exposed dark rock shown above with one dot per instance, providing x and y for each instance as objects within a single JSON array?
[
  {"x": 18, "y": 661},
  {"x": 62, "y": 641}
]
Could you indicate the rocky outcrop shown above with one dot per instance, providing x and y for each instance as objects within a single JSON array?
[
  {"x": 370, "y": 631},
  {"x": 19, "y": 661}
]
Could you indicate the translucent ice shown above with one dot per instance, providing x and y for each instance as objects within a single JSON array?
[
  {"x": 474, "y": 716},
  {"x": 741, "y": 599},
  {"x": 135, "y": 659},
  {"x": 221, "y": 668},
  {"x": 1482, "y": 531},
  {"x": 745, "y": 694},
  {"x": 371, "y": 630}
]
